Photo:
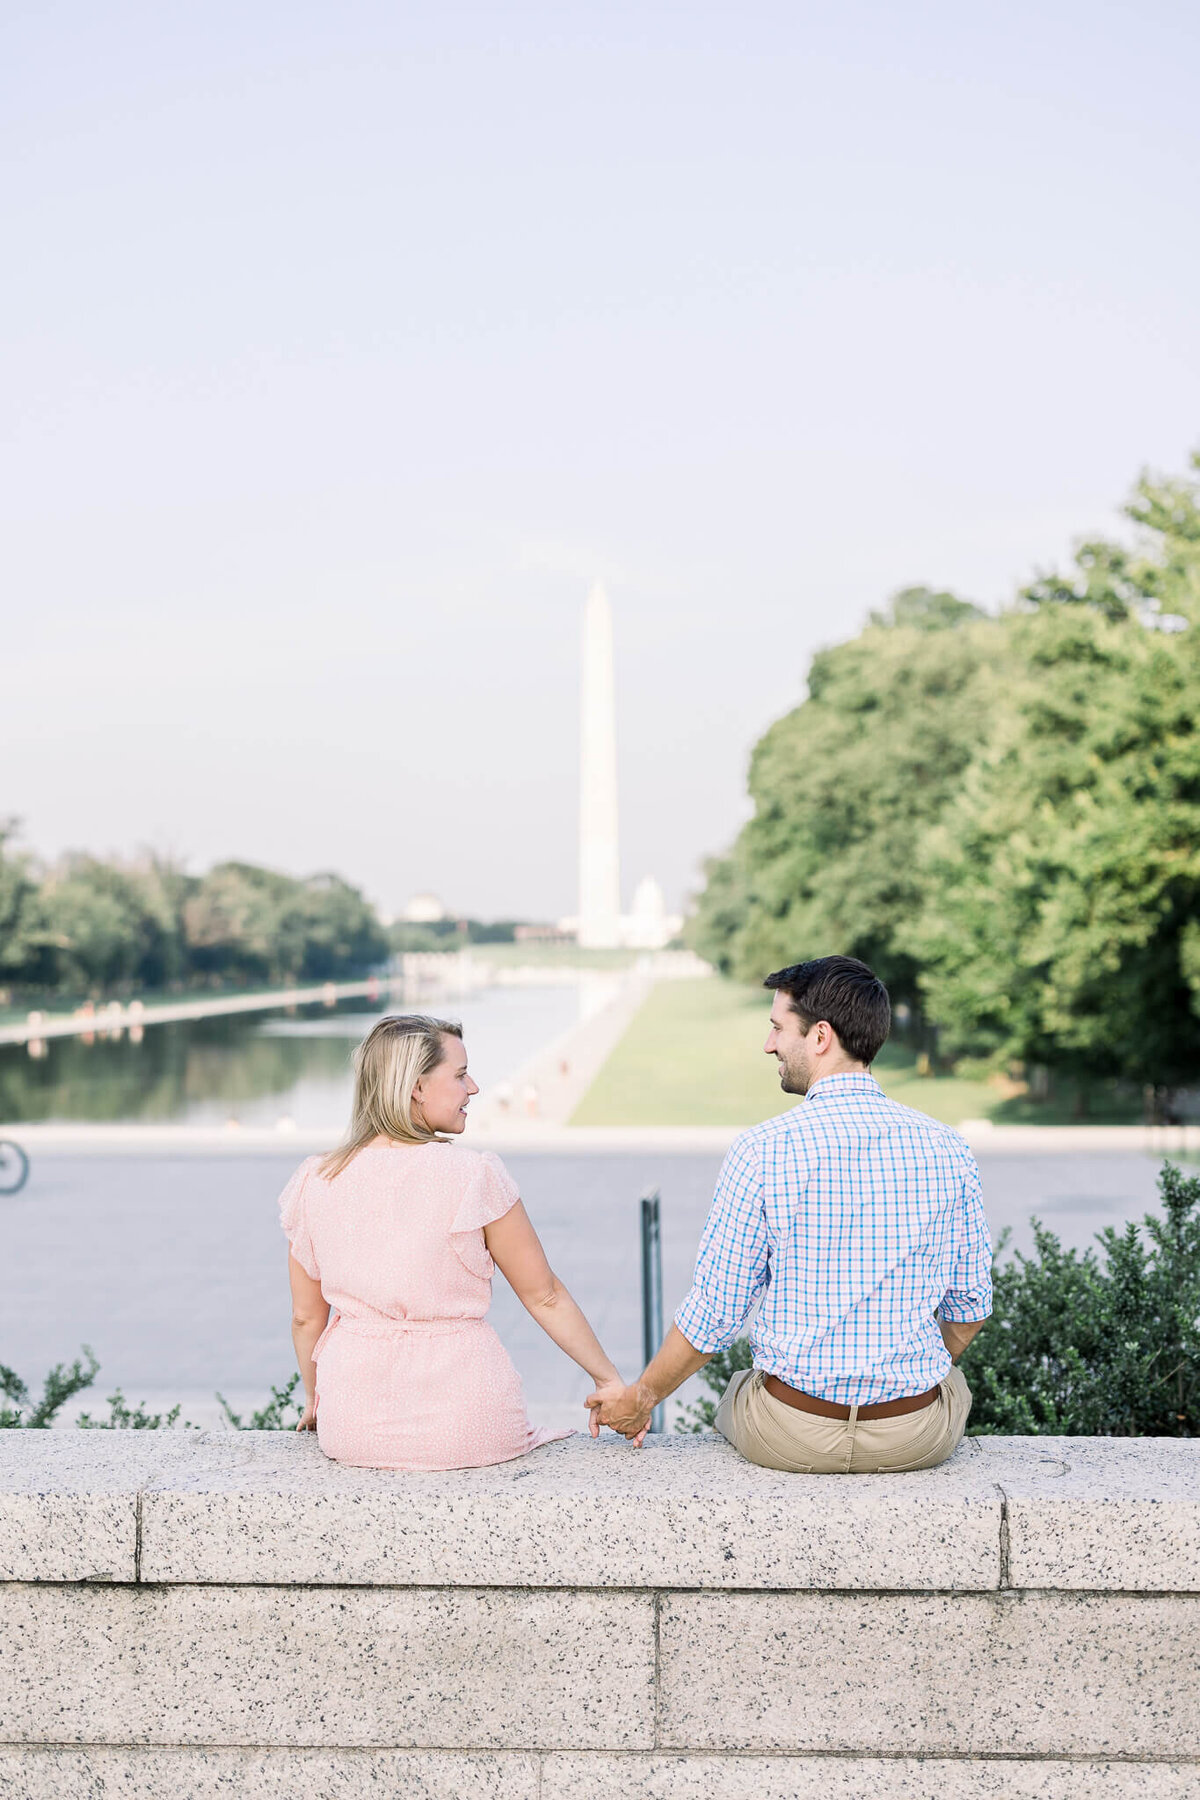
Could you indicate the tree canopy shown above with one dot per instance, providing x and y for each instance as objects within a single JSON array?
[
  {"x": 91, "y": 925},
  {"x": 1000, "y": 813}
]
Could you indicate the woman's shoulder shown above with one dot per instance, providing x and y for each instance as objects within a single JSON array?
[
  {"x": 304, "y": 1169},
  {"x": 442, "y": 1160},
  {"x": 466, "y": 1160}
]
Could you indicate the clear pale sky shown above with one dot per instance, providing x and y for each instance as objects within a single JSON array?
[{"x": 343, "y": 347}]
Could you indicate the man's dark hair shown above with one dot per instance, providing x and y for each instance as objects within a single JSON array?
[{"x": 847, "y": 994}]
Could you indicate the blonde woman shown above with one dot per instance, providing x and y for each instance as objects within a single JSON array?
[{"x": 392, "y": 1239}]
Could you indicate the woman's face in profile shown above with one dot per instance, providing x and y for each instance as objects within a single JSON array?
[{"x": 443, "y": 1094}]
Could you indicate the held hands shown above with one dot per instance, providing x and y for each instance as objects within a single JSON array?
[{"x": 625, "y": 1409}]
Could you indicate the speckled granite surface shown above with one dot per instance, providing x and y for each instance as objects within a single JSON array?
[
  {"x": 665, "y": 1777},
  {"x": 1100, "y": 1513},
  {"x": 686, "y": 1512},
  {"x": 154, "y": 1773},
  {"x": 401, "y": 1667},
  {"x": 209, "y": 1614},
  {"x": 1091, "y": 1514},
  {"x": 169, "y": 1774},
  {"x": 68, "y": 1502},
  {"x": 1015, "y": 1674}
]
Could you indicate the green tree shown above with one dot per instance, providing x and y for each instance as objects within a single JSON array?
[
  {"x": 1061, "y": 886},
  {"x": 232, "y": 924},
  {"x": 111, "y": 924},
  {"x": 23, "y": 935},
  {"x": 339, "y": 930},
  {"x": 1002, "y": 815},
  {"x": 844, "y": 786},
  {"x": 259, "y": 925}
]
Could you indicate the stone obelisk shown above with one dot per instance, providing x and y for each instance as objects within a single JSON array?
[{"x": 599, "y": 861}]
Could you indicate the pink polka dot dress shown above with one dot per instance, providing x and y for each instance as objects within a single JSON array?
[{"x": 409, "y": 1373}]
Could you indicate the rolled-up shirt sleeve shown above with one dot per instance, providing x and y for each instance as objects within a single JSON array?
[
  {"x": 969, "y": 1295},
  {"x": 733, "y": 1264}
]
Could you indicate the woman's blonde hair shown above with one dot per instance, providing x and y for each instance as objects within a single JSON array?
[{"x": 395, "y": 1054}]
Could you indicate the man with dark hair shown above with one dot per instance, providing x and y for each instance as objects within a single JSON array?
[{"x": 859, "y": 1225}]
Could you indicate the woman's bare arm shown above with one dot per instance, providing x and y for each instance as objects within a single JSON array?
[
  {"x": 517, "y": 1252},
  {"x": 310, "y": 1315}
]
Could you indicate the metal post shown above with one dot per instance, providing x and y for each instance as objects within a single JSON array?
[{"x": 652, "y": 1301}]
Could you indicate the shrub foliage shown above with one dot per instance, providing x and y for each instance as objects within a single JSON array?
[{"x": 20, "y": 1411}]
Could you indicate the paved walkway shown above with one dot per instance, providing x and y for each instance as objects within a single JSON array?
[
  {"x": 494, "y": 1128},
  {"x": 172, "y": 1266},
  {"x": 540, "y": 1096}
]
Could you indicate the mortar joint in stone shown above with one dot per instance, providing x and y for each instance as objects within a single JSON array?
[{"x": 1005, "y": 1544}]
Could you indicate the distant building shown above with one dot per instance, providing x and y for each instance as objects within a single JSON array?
[
  {"x": 424, "y": 909},
  {"x": 648, "y": 925}
]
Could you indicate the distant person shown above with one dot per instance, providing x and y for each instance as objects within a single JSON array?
[
  {"x": 392, "y": 1242},
  {"x": 860, "y": 1225}
]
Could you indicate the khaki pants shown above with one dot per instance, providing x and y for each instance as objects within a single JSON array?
[{"x": 778, "y": 1436}]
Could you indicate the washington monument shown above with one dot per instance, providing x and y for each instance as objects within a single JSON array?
[{"x": 599, "y": 856}]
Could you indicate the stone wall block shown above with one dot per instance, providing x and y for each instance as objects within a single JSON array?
[
  {"x": 1038, "y": 1675},
  {"x": 682, "y": 1512},
  {"x": 681, "y": 1777},
  {"x": 1101, "y": 1513},
  {"x": 174, "y": 1773},
  {"x": 405, "y": 1668},
  {"x": 68, "y": 1537},
  {"x": 68, "y": 1503}
]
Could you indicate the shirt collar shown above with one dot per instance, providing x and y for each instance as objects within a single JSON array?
[{"x": 844, "y": 1085}]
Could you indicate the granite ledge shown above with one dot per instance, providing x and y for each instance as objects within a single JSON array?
[
  {"x": 266, "y": 1508},
  {"x": 684, "y": 1512},
  {"x": 1100, "y": 1514},
  {"x": 68, "y": 1503}
]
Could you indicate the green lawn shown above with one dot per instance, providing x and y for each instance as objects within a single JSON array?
[{"x": 694, "y": 1055}]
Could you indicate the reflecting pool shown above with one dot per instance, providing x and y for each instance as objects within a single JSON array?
[{"x": 258, "y": 1068}]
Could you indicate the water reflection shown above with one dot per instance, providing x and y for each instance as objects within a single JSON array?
[
  {"x": 210, "y": 1064},
  {"x": 256, "y": 1069}
]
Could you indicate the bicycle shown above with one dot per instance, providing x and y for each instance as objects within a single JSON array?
[{"x": 14, "y": 1167}]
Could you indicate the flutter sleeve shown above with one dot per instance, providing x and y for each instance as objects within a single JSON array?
[
  {"x": 491, "y": 1192},
  {"x": 295, "y": 1224}
]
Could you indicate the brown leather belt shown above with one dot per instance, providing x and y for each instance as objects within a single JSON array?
[{"x": 835, "y": 1409}]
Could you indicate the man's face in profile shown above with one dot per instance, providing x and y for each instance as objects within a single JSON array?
[{"x": 787, "y": 1042}]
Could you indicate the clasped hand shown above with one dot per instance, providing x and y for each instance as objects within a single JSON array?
[{"x": 625, "y": 1409}]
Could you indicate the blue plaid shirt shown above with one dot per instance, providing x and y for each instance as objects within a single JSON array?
[{"x": 856, "y": 1219}]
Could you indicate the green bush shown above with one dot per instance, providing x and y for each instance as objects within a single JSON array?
[
  {"x": 123, "y": 1417},
  {"x": 60, "y": 1385},
  {"x": 1079, "y": 1344},
  {"x": 1087, "y": 1345},
  {"x": 280, "y": 1413}
]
